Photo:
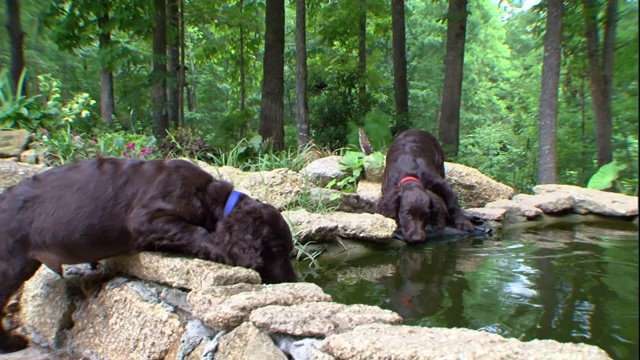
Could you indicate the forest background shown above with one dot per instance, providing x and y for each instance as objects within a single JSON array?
[{"x": 206, "y": 62}]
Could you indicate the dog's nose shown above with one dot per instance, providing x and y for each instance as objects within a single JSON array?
[{"x": 415, "y": 237}]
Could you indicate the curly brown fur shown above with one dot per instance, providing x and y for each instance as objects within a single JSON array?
[
  {"x": 99, "y": 208},
  {"x": 416, "y": 204}
]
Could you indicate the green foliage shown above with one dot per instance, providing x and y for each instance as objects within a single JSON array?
[
  {"x": 609, "y": 175},
  {"x": 500, "y": 154},
  {"x": 126, "y": 145},
  {"x": 48, "y": 110},
  {"x": 500, "y": 98},
  {"x": 313, "y": 202},
  {"x": 301, "y": 250},
  {"x": 15, "y": 109},
  {"x": 605, "y": 176},
  {"x": 186, "y": 142},
  {"x": 376, "y": 126},
  {"x": 64, "y": 146},
  {"x": 353, "y": 164},
  {"x": 293, "y": 160},
  {"x": 240, "y": 154},
  {"x": 332, "y": 112}
]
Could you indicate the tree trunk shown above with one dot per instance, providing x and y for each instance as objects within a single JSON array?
[
  {"x": 16, "y": 39},
  {"x": 173, "y": 56},
  {"x": 362, "y": 60},
  {"x": 449, "y": 127},
  {"x": 599, "y": 76},
  {"x": 547, "y": 173},
  {"x": 158, "y": 75},
  {"x": 400, "y": 82},
  {"x": 243, "y": 85},
  {"x": 272, "y": 106},
  {"x": 182, "y": 71},
  {"x": 302, "y": 107},
  {"x": 243, "y": 82},
  {"x": 192, "y": 88},
  {"x": 608, "y": 52},
  {"x": 107, "y": 102}
]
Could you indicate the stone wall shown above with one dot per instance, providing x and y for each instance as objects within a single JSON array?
[{"x": 156, "y": 306}]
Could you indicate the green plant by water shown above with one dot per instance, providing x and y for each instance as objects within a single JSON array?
[{"x": 353, "y": 164}]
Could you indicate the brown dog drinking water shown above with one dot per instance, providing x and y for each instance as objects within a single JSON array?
[
  {"x": 99, "y": 208},
  {"x": 414, "y": 192}
]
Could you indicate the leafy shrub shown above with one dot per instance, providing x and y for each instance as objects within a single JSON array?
[
  {"x": 185, "y": 142},
  {"x": 331, "y": 115},
  {"x": 63, "y": 146},
  {"x": 293, "y": 159},
  {"x": 376, "y": 126},
  {"x": 68, "y": 146},
  {"x": 352, "y": 163},
  {"x": 240, "y": 155},
  {"x": 500, "y": 154},
  {"x": 15, "y": 109},
  {"x": 125, "y": 145},
  {"x": 45, "y": 110}
]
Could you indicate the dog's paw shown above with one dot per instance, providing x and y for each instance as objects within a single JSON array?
[{"x": 464, "y": 224}]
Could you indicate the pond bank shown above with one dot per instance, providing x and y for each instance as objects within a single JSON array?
[{"x": 166, "y": 307}]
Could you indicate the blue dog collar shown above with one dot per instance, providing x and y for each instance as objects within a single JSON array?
[{"x": 232, "y": 201}]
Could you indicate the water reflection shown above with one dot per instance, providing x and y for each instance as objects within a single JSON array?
[{"x": 564, "y": 281}]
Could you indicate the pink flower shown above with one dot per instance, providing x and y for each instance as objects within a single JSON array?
[
  {"x": 94, "y": 140},
  {"x": 45, "y": 131},
  {"x": 124, "y": 153},
  {"x": 131, "y": 145},
  {"x": 143, "y": 152}
]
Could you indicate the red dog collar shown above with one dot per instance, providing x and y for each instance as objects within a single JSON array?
[{"x": 409, "y": 178}]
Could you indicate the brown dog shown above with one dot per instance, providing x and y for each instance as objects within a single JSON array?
[
  {"x": 414, "y": 191},
  {"x": 99, "y": 208}
]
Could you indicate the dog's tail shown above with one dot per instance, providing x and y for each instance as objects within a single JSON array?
[{"x": 365, "y": 144}]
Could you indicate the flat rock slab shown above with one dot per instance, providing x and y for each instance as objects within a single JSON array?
[
  {"x": 527, "y": 210},
  {"x": 594, "y": 201},
  {"x": 380, "y": 341},
  {"x": 549, "y": 203},
  {"x": 225, "y": 307},
  {"x": 181, "y": 272},
  {"x": 494, "y": 214},
  {"x": 367, "y": 227},
  {"x": 308, "y": 227},
  {"x": 335, "y": 225},
  {"x": 319, "y": 319}
]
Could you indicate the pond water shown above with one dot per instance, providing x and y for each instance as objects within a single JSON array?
[{"x": 572, "y": 279}]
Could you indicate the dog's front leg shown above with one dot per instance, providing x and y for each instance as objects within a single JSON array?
[
  {"x": 453, "y": 208},
  {"x": 175, "y": 235}
]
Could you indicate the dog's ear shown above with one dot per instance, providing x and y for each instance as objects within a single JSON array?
[
  {"x": 240, "y": 234},
  {"x": 243, "y": 249},
  {"x": 438, "y": 211},
  {"x": 389, "y": 203}
]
